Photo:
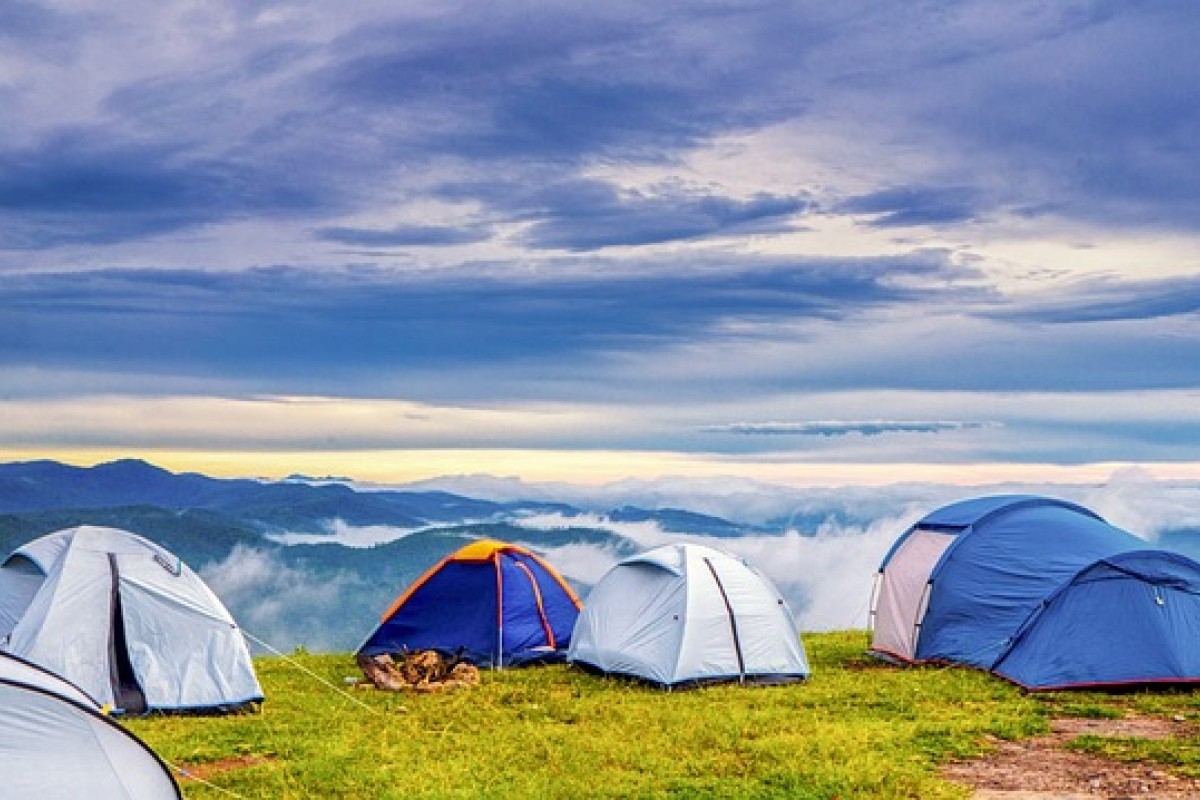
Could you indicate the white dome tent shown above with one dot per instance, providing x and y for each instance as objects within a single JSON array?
[
  {"x": 124, "y": 620},
  {"x": 683, "y": 614},
  {"x": 56, "y": 745}
]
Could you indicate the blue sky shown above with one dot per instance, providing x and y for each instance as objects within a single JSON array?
[{"x": 699, "y": 238}]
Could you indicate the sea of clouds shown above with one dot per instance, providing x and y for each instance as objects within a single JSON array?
[
  {"x": 821, "y": 547},
  {"x": 283, "y": 607}
]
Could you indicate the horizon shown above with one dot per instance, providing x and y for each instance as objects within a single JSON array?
[
  {"x": 790, "y": 242},
  {"x": 610, "y": 469}
]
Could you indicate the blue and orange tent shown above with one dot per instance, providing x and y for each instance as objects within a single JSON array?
[{"x": 490, "y": 603}]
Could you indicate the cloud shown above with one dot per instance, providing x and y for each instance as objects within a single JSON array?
[
  {"x": 406, "y": 235},
  {"x": 289, "y": 423},
  {"x": 826, "y": 578},
  {"x": 825, "y": 565},
  {"x": 958, "y": 105},
  {"x": 1107, "y": 299},
  {"x": 1134, "y": 500},
  {"x": 914, "y": 205},
  {"x": 315, "y": 116},
  {"x": 714, "y": 205},
  {"x": 24, "y": 22},
  {"x": 976, "y": 347},
  {"x": 734, "y": 498},
  {"x": 340, "y": 533},
  {"x": 76, "y": 189},
  {"x": 838, "y": 428},
  {"x": 1130, "y": 497},
  {"x": 825, "y": 574},
  {"x": 581, "y": 564},
  {"x": 566, "y": 83},
  {"x": 646, "y": 534},
  {"x": 590, "y": 215},
  {"x": 239, "y": 112},
  {"x": 284, "y": 605},
  {"x": 273, "y": 323}
]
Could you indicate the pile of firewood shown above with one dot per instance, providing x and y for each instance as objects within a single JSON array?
[{"x": 423, "y": 671}]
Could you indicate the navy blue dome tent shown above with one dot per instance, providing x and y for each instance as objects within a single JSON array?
[
  {"x": 1040, "y": 591},
  {"x": 490, "y": 603}
]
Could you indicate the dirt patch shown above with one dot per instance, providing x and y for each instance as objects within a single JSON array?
[
  {"x": 1041, "y": 769},
  {"x": 202, "y": 772},
  {"x": 1129, "y": 728}
]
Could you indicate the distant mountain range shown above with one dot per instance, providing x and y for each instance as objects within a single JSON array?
[
  {"x": 294, "y": 505},
  {"x": 228, "y": 529}
]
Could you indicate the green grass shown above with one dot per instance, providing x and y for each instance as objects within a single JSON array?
[{"x": 857, "y": 729}]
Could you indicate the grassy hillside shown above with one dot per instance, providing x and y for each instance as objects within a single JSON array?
[{"x": 858, "y": 729}]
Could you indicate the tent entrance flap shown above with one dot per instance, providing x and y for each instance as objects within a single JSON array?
[
  {"x": 902, "y": 595},
  {"x": 737, "y": 642},
  {"x": 126, "y": 689},
  {"x": 539, "y": 605}
]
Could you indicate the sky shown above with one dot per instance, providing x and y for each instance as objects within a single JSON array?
[{"x": 805, "y": 242}]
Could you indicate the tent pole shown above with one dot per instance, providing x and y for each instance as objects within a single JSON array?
[{"x": 499, "y": 613}]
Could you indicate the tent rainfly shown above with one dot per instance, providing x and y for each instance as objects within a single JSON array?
[
  {"x": 124, "y": 620},
  {"x": 1040, "y": 591},
  {"x": 55, "y": 744},
  {"x": 490, "y": 603},
  {"x": 686, "y": 614}
]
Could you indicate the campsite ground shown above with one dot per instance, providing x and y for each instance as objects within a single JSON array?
[
  {"x": 1067, "y": 762},
  {"x": 858, "y": 729}
]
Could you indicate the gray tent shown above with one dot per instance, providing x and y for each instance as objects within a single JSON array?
[
  {"x": 685, "y": 613},
  {"x": 124, "y": 620},
  {"x": 56, "y": 745}
]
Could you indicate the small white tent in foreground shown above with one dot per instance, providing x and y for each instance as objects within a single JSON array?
[
  {"x": 685, "y": 613},
  {"x": 124, "y": 620},
  {"x": 56, "y": 745}
]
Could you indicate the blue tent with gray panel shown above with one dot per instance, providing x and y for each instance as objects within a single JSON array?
[{"x": 1040, "y": 591}]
